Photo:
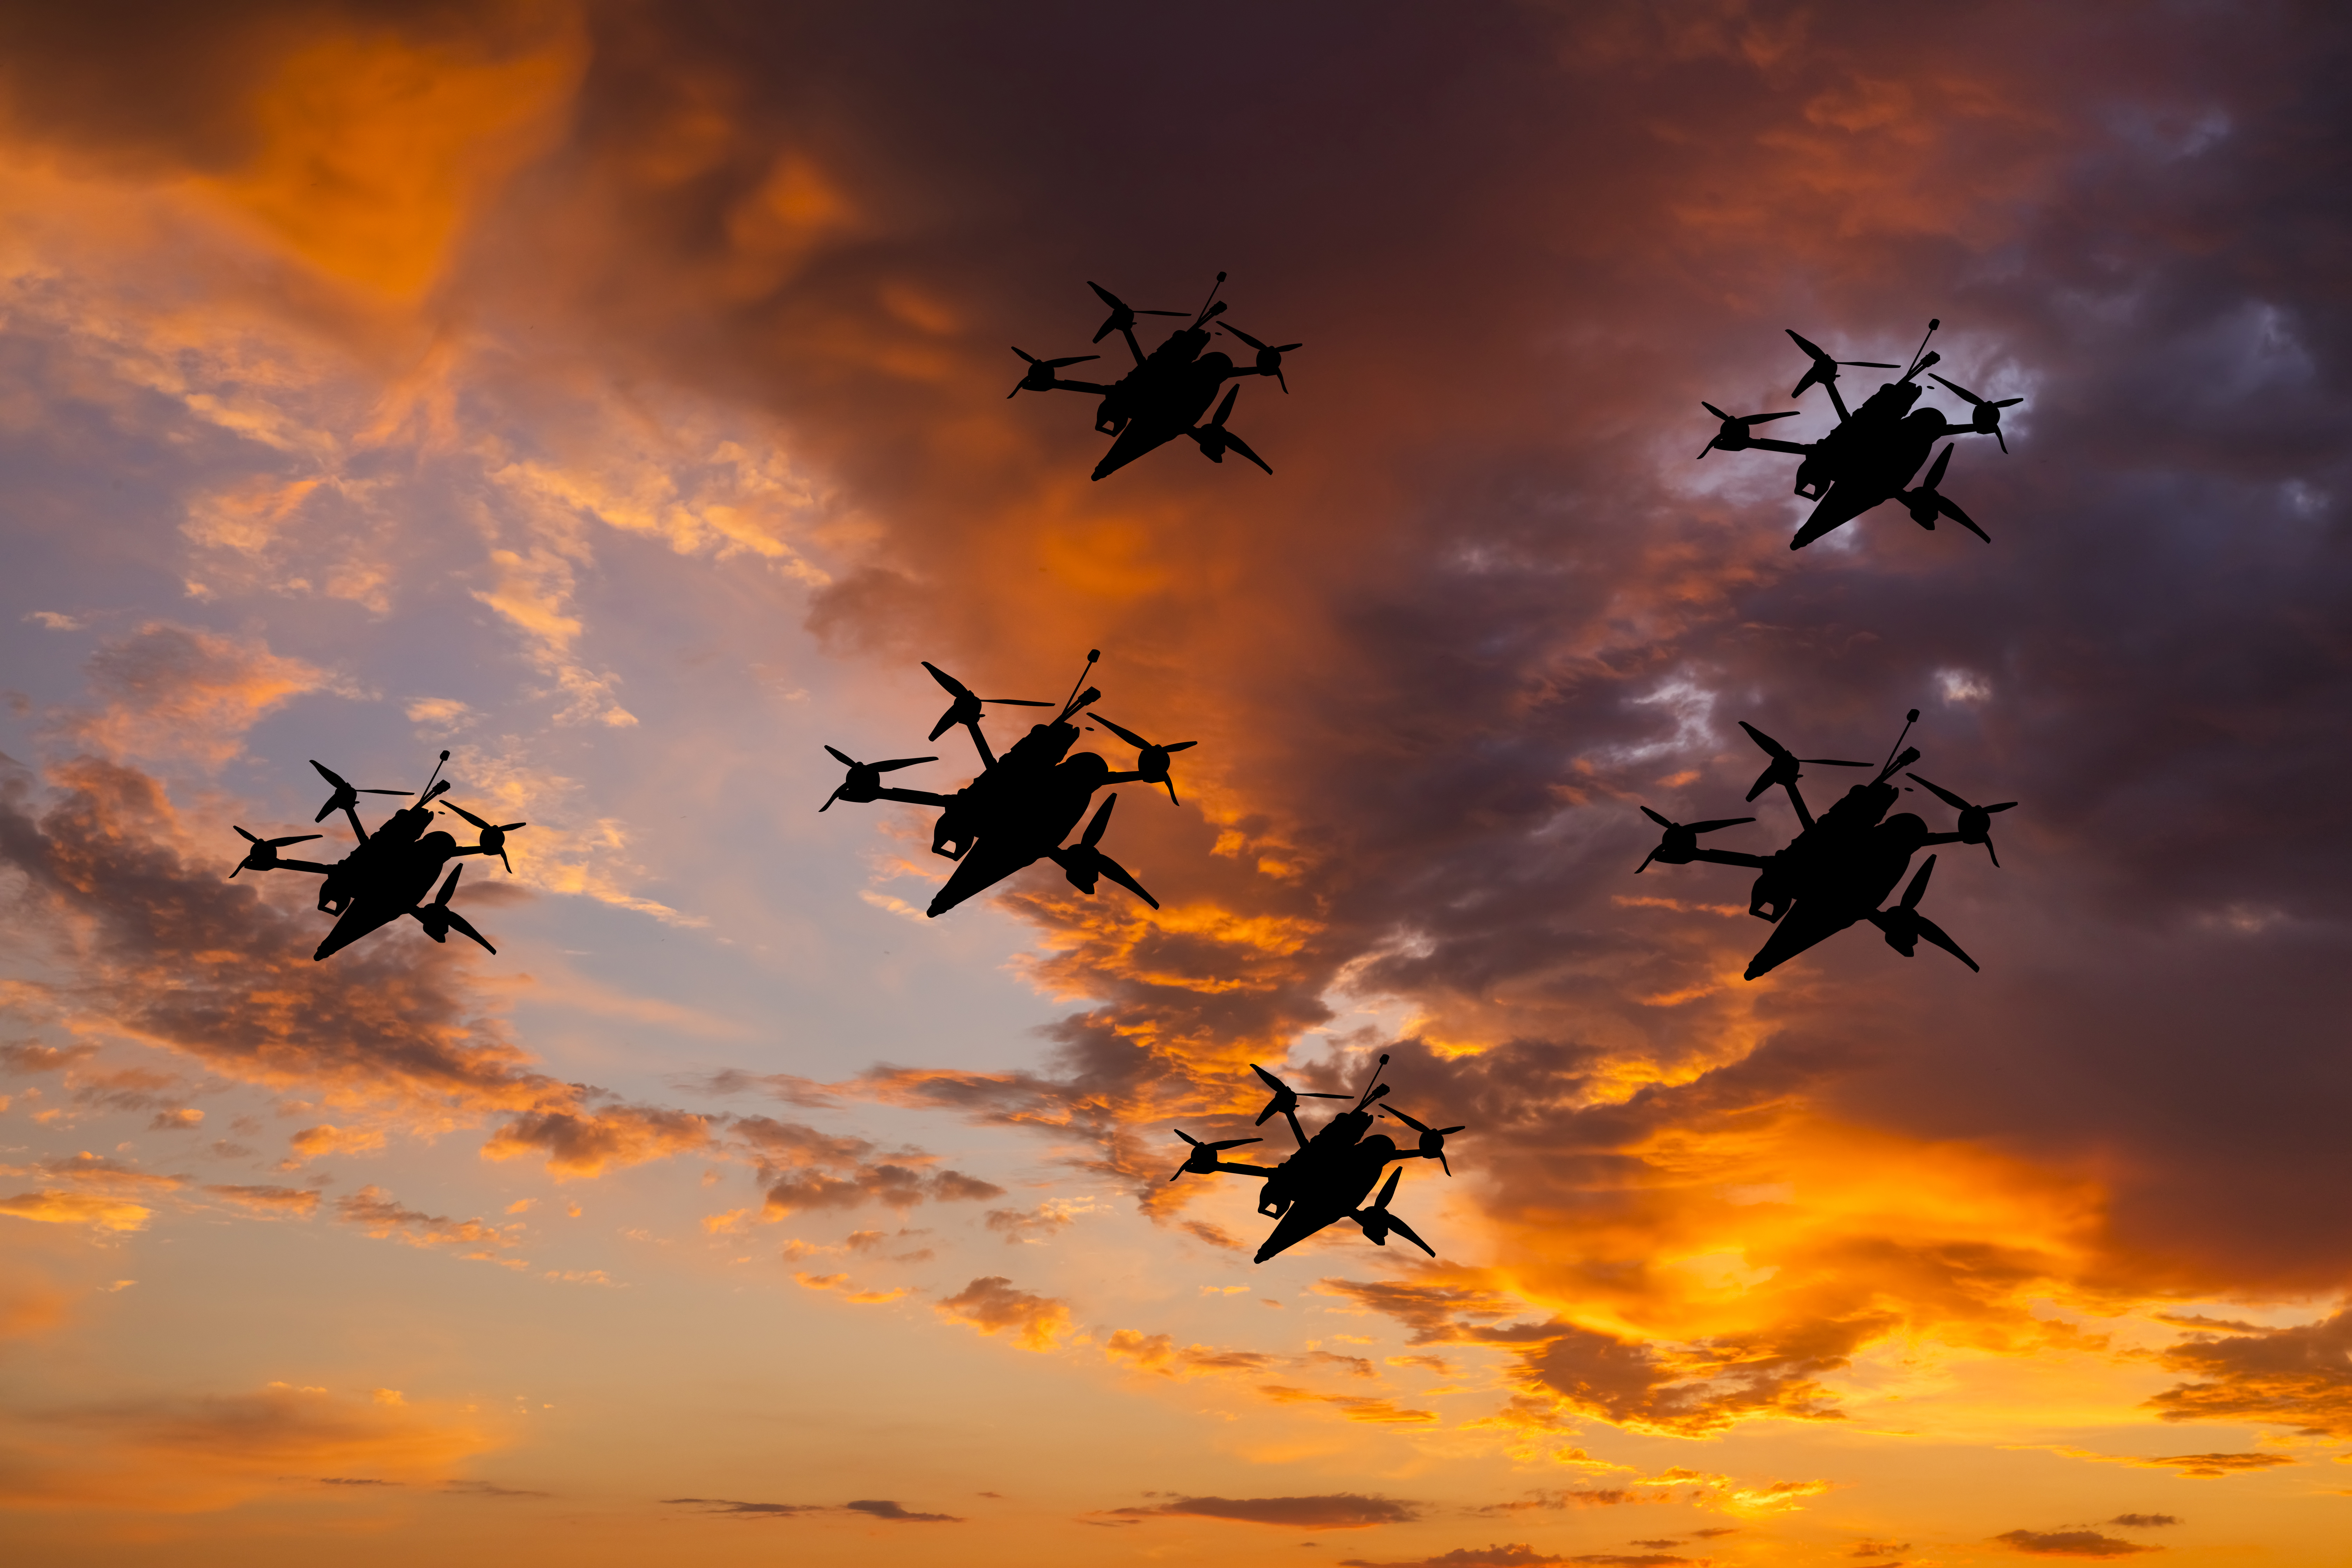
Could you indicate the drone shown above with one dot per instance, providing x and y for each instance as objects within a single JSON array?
[
  {"x": 1328, "y": 1179},
  {"x": 1169, "y": 389},
  {"x": 392, "y": 870},
  {"x": 1875, "y": 451},
  {"x": 1838, "y": 869},
  {"x": 1025, "y": 803}
]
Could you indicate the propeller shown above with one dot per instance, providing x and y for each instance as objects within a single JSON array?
[
  {"x": 1082, "y": 862},
  {"x": 1215, "y": 439},
  {"x": 1927, "y": 502},
  {"x": 1782, "y": 769},
  {"x": 439, "y": 920},
  {"x": 1203, "y": 1159},
  {"x": 1904, "y": 926},
  {"x": 494, "y": 834},
  {"x": 1733, "y": 436},
  {"x": 1269, "y": 360},
  {"x": 1681, "y": 842},
  {"x": 345, "y": 798},
  {"x": 1825, "y": 369},
  {"x": 1377, "y": 1222},
  {"x": 965, "y": 709},
  {"x": 263, "y": 856},
  {"x": 1986, "y": 418},
  {"x": 1976, "y": 821},
  {"x": 1039, "y": 377},
  {"x": 864, "y": 780},
  {"x": 1433, "y": 1138},
  {"x": 1153, "y": 763},
  {"x": 1285, "y": 1098},
  {"x": 1122, "y": 315}
]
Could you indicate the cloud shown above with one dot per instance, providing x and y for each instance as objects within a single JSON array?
[
  {"x": 213, "y": 1452},
  {"x": 171, "y": 691},
  {"x": 1336, "y": 1510},
  {"x": 99, "y": 1213},
  {"x": 2069, "y": 1543},
  {"x": 2297, "y": 1376},
  {"x": 1383, "y": 1412},
  {"x": 301, "y": 1201},
  {"x": 585, "y": 1144},
  {"x": 1516, "y": 1556},
  {"x": 871, "y": 1508},
  {"x": 374, "y": 1211},
  {"x": 992, "y": 1305},
  {"x": 1160, "y": 1353},
  {"x": 805, "y": 1169},
  {"x": 2134, "y": 1521}
]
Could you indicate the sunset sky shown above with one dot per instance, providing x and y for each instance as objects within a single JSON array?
[{"x": 614, "y": 394}]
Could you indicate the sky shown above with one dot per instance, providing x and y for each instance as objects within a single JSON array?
[{"x": 614, "y": 394}]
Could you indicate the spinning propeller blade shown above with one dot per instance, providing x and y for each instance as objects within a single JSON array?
[
  {"x": 1284, "y": 1095},
  {"x": 1976, "y": 821},
  {"x": 1208, "y": 1151}
]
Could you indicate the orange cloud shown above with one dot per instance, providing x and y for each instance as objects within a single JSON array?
[
  {"x": 371, "y": 149},
  {"x": 585, "y": 1144},
  {"x": 193, "y": 1455},
  {"x": 172, "y": 691},
  {"x": 99, "y": 1213},
  {"x": 991, "y": 1306}
]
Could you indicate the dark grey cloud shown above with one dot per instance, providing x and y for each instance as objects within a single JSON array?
[
  {"x": 871, "y": 1507},
  {"x": 1335, "y": 1510}
]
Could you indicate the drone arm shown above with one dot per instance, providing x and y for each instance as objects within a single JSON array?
[
  {"x": 1727, "y": 857},
  {"x": 1132, "y": 346},
  {"x": 1239, "y": 1169},
  {"x": 1942, "y": 838},
  {"x": 912, "y": 796},
  {"x": 301, "y": 866},
  {"x": 1768, "y": 444},
  {"x": 1831, "y": 386},
  {"x": 1097, "y": 387},
  {"x": 354, "y": 813},
  {"x": 1120, "y": 778},
  {"x": 1290, "y": 1114}
]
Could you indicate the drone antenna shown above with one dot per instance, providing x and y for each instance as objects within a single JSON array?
[
  {"x": 1375, "y": 1078},
  {"x": 1908, "y": 719},
  {"x": 1932, "y": 324},
  {"x": 1204, "y": 304},
  {"x": 428, "y": 782},
  {"x": 1092, "y": 654}
]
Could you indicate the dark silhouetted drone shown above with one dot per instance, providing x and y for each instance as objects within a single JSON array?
[
  {"x": 392, "y": 870},
  {"x": 1025, "y": 803},
  {"x": 1837, "y": 871},
  {"x": 1875, "y": 449},
  {"x": 1328, "y": 1178},
  {"x": 1169, "y": 389}
]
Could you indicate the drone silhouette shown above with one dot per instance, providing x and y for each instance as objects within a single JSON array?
[
  {"x": 1169, "y": 389},
  {"x": 392, "y": 870},
  {"x": 1025, "y": 803},
  {"x": 1875, "y": 451},
  {"x": 1325, "y": 1181},
  {"x": 1836, "y": 871}
]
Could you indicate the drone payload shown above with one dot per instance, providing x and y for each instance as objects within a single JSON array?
[
  {"x": 391, "y": 869},
  {"x": 1875, "y": 451},
  {"x": 1329, "y": 1176},
  {"x": 1025, "y": 803},
  {"x": 1169, "y": 389},
  {"x": 1840, "y": 865}
]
